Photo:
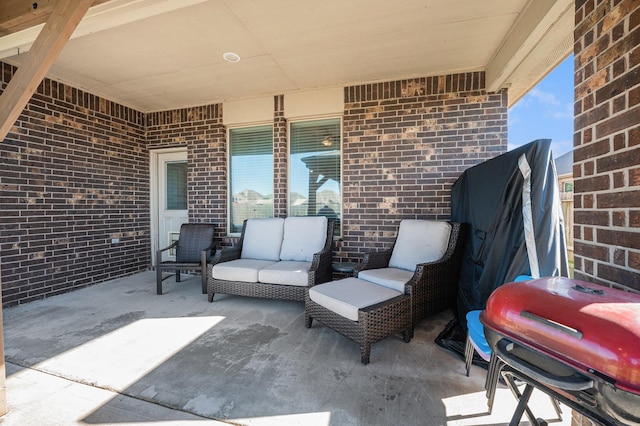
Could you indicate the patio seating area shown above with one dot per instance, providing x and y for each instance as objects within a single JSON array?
[{"x": 115, "y": 353}]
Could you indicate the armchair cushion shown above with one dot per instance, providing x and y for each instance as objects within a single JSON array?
[
  {"x": 286, "y": 272},
  {"x": 244, "y": 270},
  {"x": 345, "y": 297},
  {"x": 263, "y": 239},
  {"x": 419, "y": 241},
  {"x": 392, "y": 278},
  {"x": 303, "y": 237}
]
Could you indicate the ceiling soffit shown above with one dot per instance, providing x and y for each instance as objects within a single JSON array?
[{"x": 157, "y": 55}]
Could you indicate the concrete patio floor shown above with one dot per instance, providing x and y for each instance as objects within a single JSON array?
[{"x": 116, "y": 353}]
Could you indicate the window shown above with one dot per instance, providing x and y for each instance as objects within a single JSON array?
[
  {"x": 314, "y": 169},
  {"x": 176, "y": 196},
  {"x": 251, "y": 174}
]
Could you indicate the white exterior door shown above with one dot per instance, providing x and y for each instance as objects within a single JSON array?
[{"x": 168, "y": 198}]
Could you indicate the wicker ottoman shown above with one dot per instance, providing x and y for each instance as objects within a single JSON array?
[{"x": 361, "y": 311}]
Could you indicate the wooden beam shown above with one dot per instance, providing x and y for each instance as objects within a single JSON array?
[
  {"x": 16, "y": 15},
  {"x": 108, "y": 14},
  {"x": 54, "y": 35}
]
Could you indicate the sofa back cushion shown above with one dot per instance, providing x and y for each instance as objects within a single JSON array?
[
  {"x": 419, "y": 241},
  {"x": 303, "y": 236},
  {"x": 263, "y": 239}
]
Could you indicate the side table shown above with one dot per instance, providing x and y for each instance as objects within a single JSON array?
[{"x": 343, "y": 269}]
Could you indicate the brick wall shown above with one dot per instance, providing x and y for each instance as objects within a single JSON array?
[
  {"x": 405, "y": 143},
  {"x": 200, "y": 130},
  {"x": 280, "y": 153},
  {"x": 74, "y": 176},
  {"x": 607, "y": 142},
  {"x": 77, "y": 173}
]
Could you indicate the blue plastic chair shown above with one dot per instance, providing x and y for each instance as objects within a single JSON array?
[{"x": 476, "y": 341}]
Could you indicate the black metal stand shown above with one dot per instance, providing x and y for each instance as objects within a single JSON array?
[
  {"x": 511, "y": 376},
  {"x": 523, "y": 400}
]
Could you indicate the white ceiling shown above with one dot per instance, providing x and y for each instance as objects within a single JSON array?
[{"x": 163, "y": 54}]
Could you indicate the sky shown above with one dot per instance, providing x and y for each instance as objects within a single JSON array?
[{"x": 546, "y": 112}]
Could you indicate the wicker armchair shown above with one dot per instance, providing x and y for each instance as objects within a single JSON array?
[
  {"x": 194, "y": 250},
  {"x": 392, "y": 289},
  {"x": 434, "y": 284}
]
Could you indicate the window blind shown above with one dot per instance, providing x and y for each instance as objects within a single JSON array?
[
  {"x": 176, "y": 190},
  {"x": 251, "y": 174}
]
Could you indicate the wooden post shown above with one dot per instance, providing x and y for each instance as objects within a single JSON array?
[{"x": 63, "y": 20}]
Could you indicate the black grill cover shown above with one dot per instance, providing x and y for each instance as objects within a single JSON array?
[{"x": 489, "y": 197}]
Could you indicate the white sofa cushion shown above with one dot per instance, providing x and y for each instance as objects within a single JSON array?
[
  {"x": 419, "y": 241},
  {"x": 263, "y": 239},
  {"x": 392, "y": 278},
  {"x": 303, "y": 237},
  {"x": 286, "y": 272},
  {"x": 346, "y": 296},
  {"x": 245, "y": 270}
]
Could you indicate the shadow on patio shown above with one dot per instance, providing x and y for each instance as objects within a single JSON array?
[{"x": 176, "y": 358}]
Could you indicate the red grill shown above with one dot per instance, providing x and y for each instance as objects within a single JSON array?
[{"x": 576, "y": 341}]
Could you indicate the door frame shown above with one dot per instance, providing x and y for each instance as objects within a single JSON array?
[{"x": 154, "y": 195}]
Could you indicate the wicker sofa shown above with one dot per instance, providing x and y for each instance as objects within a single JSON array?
[{"x": 275, "y": 258}]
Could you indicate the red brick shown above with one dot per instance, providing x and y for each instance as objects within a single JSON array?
[
  {"x": 618, "y": 275},
  {"x": 634, "y": 260},
  {"x": 592, "y": 116},
  {"x": 597, "y": 218},
  {"x": 618, "y": 200},
  {"x": 589, "y": 168},
  {"x": 618, "y": 85},
  {"x": 620, "y": 257},
  {"x": 634, "y": 19},
  {"x": 634, "y": 96},
  {"x": 619, "y": 104},
  {"x": 619, "y": 218},
  {"x": 619, "y": 142},
  {"x": 588, "y": 234},
  {"x": 618, "y": 32},
  {"x": 619, "y": 180},
  {"x": 588, "y": 201},
  {"x": 634, "y": 136},
  {"x": 590, "y": 85},
  {"x": 592, "y": 251},
  {"x": 618, "y": 123},
  {"x": 615, "y": 17},
  {"x": 619, "y": 161},
  {"x": 589, "y": 151},
  {"x": 634, "y": 177}
]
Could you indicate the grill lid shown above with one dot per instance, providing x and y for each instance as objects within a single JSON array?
[{"x": 593, "y": 328}]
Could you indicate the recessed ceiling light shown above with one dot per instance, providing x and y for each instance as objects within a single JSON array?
[{"x": 231, "y": 57}]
